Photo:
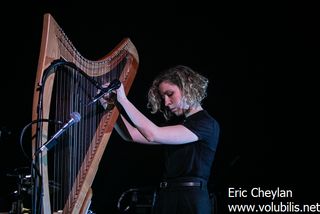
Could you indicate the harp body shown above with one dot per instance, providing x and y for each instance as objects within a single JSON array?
[{"x": 68, "y": 169}]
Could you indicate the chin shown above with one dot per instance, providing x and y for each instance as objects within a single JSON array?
[{"x": 178, "y": 113}]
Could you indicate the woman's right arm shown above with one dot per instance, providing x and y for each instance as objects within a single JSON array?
[{"x": 128, "y": 132}]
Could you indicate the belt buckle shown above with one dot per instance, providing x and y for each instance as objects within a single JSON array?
[{"x": 163, "y": 184}]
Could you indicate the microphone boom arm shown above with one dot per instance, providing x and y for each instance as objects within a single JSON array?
[{"x": 75, "y": 118}]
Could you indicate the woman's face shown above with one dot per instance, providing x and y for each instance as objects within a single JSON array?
[{"x": 172, "y": 97}]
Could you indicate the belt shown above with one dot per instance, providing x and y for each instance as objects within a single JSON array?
[{"x": 167, "y": 185}]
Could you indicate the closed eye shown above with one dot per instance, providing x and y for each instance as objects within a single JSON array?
[{"x": 169, "y": 94}]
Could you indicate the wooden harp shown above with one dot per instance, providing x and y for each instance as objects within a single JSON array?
[{"x": 66, "y": 82}]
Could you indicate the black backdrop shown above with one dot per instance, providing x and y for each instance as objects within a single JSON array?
[{"x": 259, "y": 58}]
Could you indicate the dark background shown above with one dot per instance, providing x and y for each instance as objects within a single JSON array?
[{"x": 261, "y": 59}]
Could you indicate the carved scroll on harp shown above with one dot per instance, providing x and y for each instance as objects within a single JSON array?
[{"x": 67, "y": 170}]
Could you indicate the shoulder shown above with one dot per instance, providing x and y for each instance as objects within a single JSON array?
[
  {"x": 202, "y": 116},
  {"x": 201, "y": 121}
]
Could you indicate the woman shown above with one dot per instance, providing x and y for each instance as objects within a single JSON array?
[{"x": 190, "y": 145}]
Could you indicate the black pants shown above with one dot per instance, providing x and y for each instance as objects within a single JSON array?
[{"x": 179, "y": 199}]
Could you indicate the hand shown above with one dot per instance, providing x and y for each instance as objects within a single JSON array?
[{"x": 107, "y": 98}]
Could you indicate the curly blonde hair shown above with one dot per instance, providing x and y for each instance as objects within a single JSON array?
[{"x": 192, "y": 85}]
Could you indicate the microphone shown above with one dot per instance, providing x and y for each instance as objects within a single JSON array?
[
  {"x": 75, "y": 118},
  {"x": 114, "y": 84}
]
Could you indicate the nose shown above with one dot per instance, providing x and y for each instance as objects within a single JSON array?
[{"x": 167, "y": 101}]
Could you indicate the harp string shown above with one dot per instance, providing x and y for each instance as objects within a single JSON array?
[{"x": 72, "y": 91}]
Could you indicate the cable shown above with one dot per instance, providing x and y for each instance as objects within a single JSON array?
[
  {"x": 27, "y": 126},
  {"x": 33, "y": 165}
]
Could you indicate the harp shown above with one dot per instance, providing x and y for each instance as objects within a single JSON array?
[{"x": 65, "y": 83}]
